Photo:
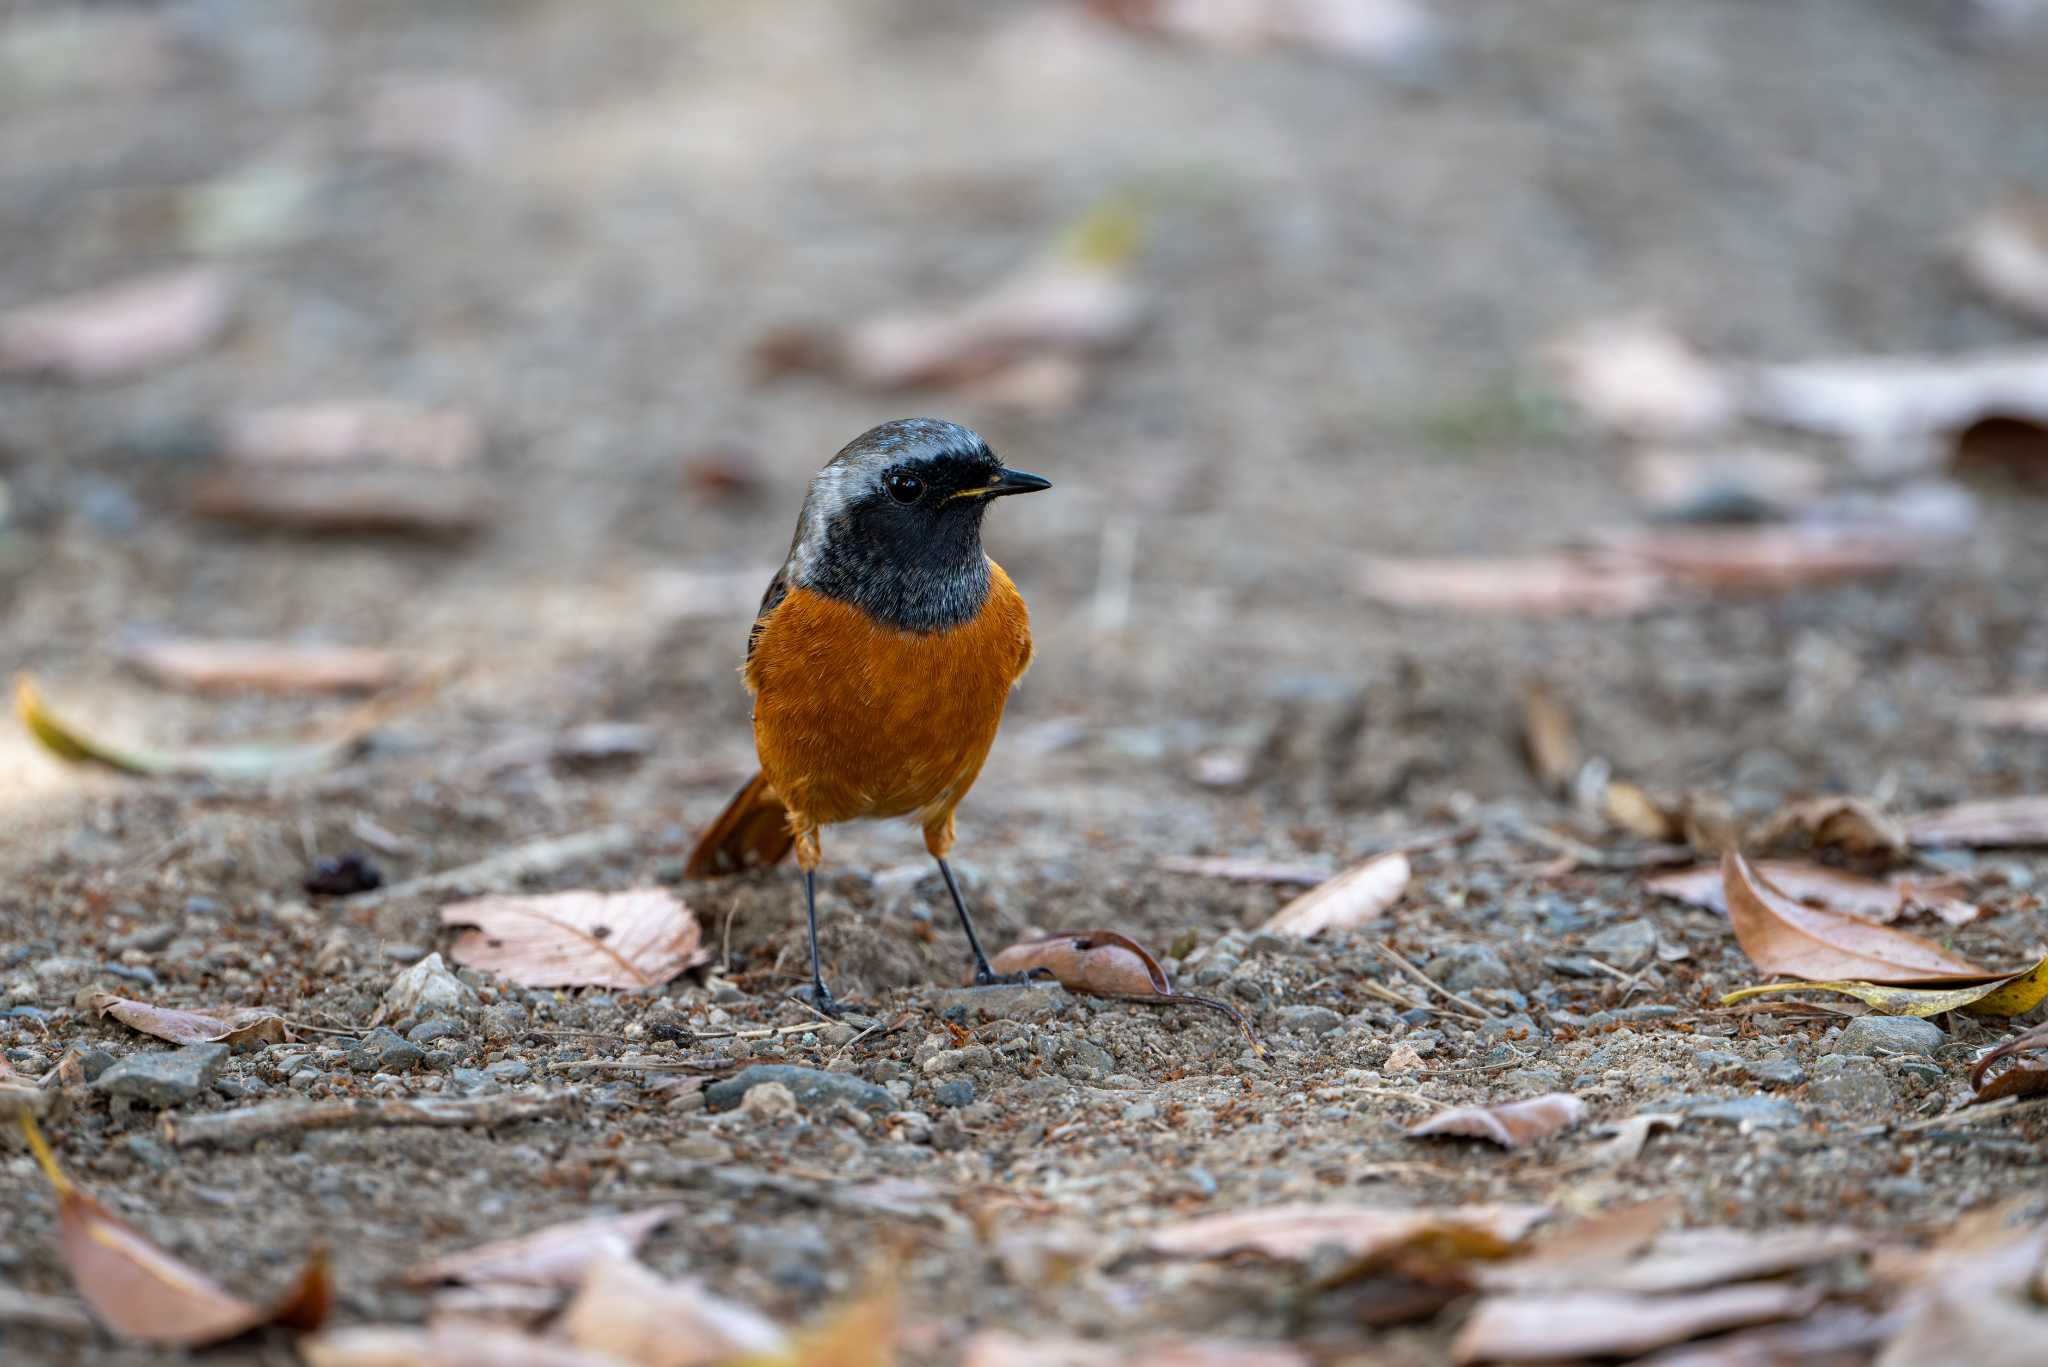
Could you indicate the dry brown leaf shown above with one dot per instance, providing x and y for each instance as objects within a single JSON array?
[
  {"x": 265, "y": 666},
  {"x": 118, "y": 331},
  {"x": 2017, "y": 712},
  {"x": 1850, "y": 824},
  {"x": 1832, "y": 1334},
  {"x": 1781, "y": 935},
  {"x": 1585, "y": 1249},
  {"x": 1629, "y": 1137},
  {"x": 1774, "y": 557},
  {"x": 1991, "y": 823},
  {"x": 1389, "y": 33},
  {"x": 1354, "y": 898},
  {"x": 1103, "y": 963},
  {"x": 637, "y": 939},
  {"x": 346, "y": 500},
  {"x": 2005, "y": 254},
  {"x": 1961, "y": 1295},
  {"x": 454, "y": 1341},
  {"x": 1639, "y": 378},
  {"x": 1817, "y": 885},
  {"x": 238, "y": 1026},
  {"x": 997, "y": 1348},
  {"x": 143, "y": 1294},
  {"x": 344, "y": 431},
  {"x": 1692, "y": 1259},
  {"x": 1572, "y": 1324},
  {"x": 1550, "y": 738},
  {"x": 1510, "y": 1124},
  {"x": 627, "y": 1312},
  {"x": 1244, "y": 870},
  {"x": 2023, "y": 1079},
  {"x": 1628, "y": 808},
  {"x": 1557, "y": 584},
  {"x": 1297, "y": 1231},
  {"x": 555, "y": 1256}
]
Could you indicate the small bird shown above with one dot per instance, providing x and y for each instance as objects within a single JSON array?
[{"x": 880, "y": 661}]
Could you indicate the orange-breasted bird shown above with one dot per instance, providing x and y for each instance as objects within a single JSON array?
[{"x": 881, "y": 659}]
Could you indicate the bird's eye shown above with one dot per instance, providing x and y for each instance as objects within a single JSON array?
[{"x": 905, "y": 488}]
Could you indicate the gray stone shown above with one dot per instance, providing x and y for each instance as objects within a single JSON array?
[
  {"x": 383, "y": 1050},
  {"x": 1308, "y": 1020},
  {"x": 813, "y": 1088},
  {"x": 1464, "y": 967},
  {"x": 148, "y": 939},
  {"x": 508, "y": 1071},
  {"x": 1714, "y": 1060},
  {"x": 1032, "y": 1001},
  {"x": 1923, "y": 1069},
  {"x": 1775, "y": 1072},
  {"x": 426, "y": 1032},
  {"x": 1533, "y": 1080},
  {"x": 506, "y": 1020},
  {"x": 426, "y": 987},
  {"x": 165, "y": 1079},
  {"x": 1850, "y": 1082},
  {"x": 466, "y": 1080},
  {"x": 92, "y": 1061},
  {"x": 954, "y": 1091},
  {"x": 1627, "y": 946},
  {"x": 1747, "y": 1112},
  {"x": 63, "y": 970},
  {"x": 1086, "y": 1056},
  {"x": 1882, "y": 1035}
]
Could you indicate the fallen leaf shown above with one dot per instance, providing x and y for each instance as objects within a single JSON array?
[
  {"x": 558, "y": 1256},
  {"x": 1585, "y": 1249},
  {"x": 456, "y": 1341},
  {"x": 265, "y": 666},
  {"x": 1694, "y": 1259},
  {"x": 1244, "y": 870},
  {"x": 1510, "y": 1124},
  {"x": 2005, "y": 254},
  {"x": 2017, "y": 712},
  {"x": 862, "y": 1333},
  {"x": 1781, "y": 935},
  {"x": 1354, "y": 898},
  {"x": 1103, "y": 963},
  {"x": 1628, "y": 808},
  {"x": 346, "y": 500},
  {"x": 1774, "y": 557},
  {"x": 240, "y": 1026},
  {"x": 637, "y": 939},
  {"x": 627, "y": 1312},
  {"x": 2008, "y": 994},
  {"x": 223, "y": 764},
  {"x": 352, "y": 431},
  {"x": 1629, "y": 1137},
  {"x": 997, "y": 1348},
  {"x": 1079, "y": 299},
  {"x": 1296, "y": 1231},
  {"x": 1987, "y": 824},
  {"x": 1557, "y": 584},
  {"x": 1850, "y": 824},
  {"x": 118, "y": 331},
  {"x": 1573, "y": 1324},
  {"x": 1831, "y": 1334},
  {"x": 142, "y": 1294},
  {"x": 1817, "y": 885},
  {"x": 2024, "y": 1079},
  {"x": 1638, "y": 377},
  {"x": 1398, "y": 34},
  {"x": 1550, "y": 738},
  {"x": 1965, "y": 1299}
]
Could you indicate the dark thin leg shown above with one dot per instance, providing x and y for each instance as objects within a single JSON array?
[
  {"x": 820, "y": 996},
  {"x": 984, "y": 975}
]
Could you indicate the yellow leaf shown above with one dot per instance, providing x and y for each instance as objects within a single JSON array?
[{"x": 2011, "y": 995}]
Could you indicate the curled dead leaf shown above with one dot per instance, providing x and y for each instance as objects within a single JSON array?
[
  {"x": 559, "y": 1256},
  {"x": 1818, "y": 885},
  {"x": 1550, "y": 738},
  {"x": 1510, "y": 1124},
  {"x": 636, "y": 940},
  {"x": 1986, "y": 824},
  {"x": 264, "y": 666},
  {"x": 240, "y": 1027},
  {"x": 1354, "y": 898},
  {"x": 2021, "y": 1080},
  {"x": 143, "y": 1294},
  {"x": 625, "y": 1311},
  {"x": 120, "y": 330},
  {"x": 1297, "y": 1231},
  {"x": 1104, "y": 963},
  {"x": 1851, "y": 824},
  {"x": 1574, "y": 1324}
]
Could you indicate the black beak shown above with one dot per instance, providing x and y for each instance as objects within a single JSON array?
[{"x": 1017, "y": 482}]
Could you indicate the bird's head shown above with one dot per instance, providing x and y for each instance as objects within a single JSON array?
[{"x": 893, "y": 523}]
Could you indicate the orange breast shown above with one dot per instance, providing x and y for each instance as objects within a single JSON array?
[{"x": 854, "y": 720}]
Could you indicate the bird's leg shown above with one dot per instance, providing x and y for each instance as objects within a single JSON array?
[
  {"x": 807, "y": 857},
  {"x": 984, "y": 974}
]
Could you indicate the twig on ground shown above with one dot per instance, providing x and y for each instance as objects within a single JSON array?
[
  {"x": 1430, "y": 983},
  {"x": 1972, "y": 1115},
  {"x": 1579, "y": 852},
  {"x": 300, "y": 1117},
  {"x": 508, "y": 866}
]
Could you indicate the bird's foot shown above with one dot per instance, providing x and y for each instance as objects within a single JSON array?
[
  {"x": 984, "y": 976},
  {"x": 820, "y": 999}
]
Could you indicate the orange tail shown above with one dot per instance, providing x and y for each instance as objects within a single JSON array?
[{"x": 751, "y": 833}]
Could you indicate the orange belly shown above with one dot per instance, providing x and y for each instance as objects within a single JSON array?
[{"x": 854, "y": 720}]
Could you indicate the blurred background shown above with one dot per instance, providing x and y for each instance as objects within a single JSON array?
[{"x": 494, "y": 344}]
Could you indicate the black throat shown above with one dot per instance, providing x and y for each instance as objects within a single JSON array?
[{"x": 921, "y": 578}]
